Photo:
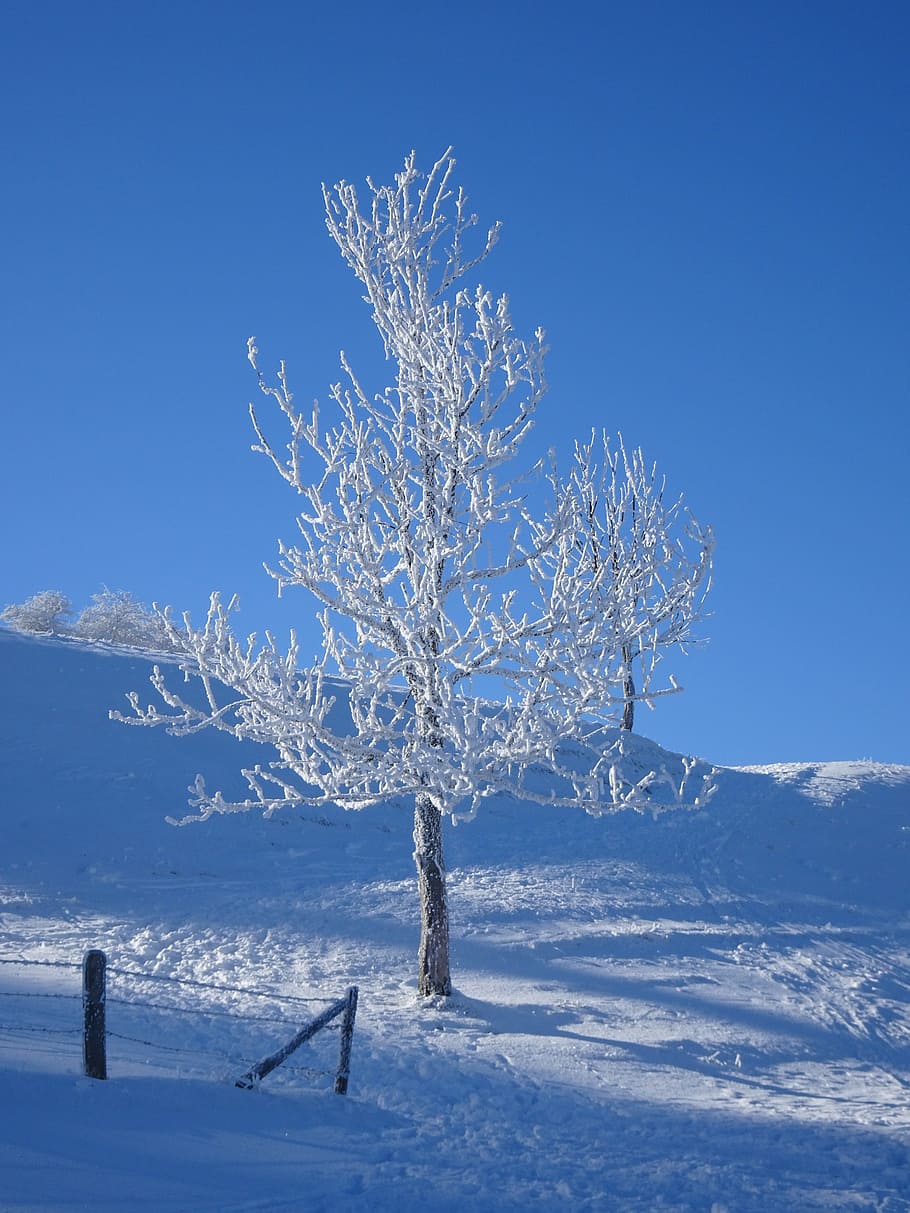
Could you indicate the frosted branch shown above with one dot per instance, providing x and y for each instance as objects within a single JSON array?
[{"x": 436, "y": 582}]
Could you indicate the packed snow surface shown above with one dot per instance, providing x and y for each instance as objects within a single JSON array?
[{"x": 700, "y": 1011}]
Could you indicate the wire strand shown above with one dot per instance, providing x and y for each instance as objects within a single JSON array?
[
  {"x": 114, "y": 970},
  {"x": 46, "y": 964},
  {"x": 160, "y": 1006},
  {"x": 36, "y": 994},
  {"x": 208, "y": 985},
  {"x": 8, "y": 1027}
]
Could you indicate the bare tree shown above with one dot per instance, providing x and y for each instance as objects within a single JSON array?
[
  {"x": 659, "y": 555},
  {"x": 407, "y": 526}
]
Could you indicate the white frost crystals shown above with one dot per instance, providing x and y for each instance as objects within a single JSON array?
[{"x": 468, "y": 637}]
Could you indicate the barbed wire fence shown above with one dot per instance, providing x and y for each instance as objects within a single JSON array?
[{"x": 144, "y": 1006}]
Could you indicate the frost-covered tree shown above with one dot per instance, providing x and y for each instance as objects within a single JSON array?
[
  {"x": 469, "y": 635},
  {"x": 116, "y": 616},
  {"x": 658, "y": 553},
  {"x": 45, "y": 612}
]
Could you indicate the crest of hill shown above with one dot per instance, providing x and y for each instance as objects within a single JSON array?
[{"x": 86, "y": 801}]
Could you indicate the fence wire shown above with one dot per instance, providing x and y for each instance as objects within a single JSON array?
[
  {"x": 35, "y": 994},
  {"x": 160, "y": 1006},
  {"x": 116, "y": 971},
  {"x": 227, "y": 1059},
  {"x": 22, "y": 1027},
  {"x": 209, "y": 985},
  {"x": 44, "y": 964}
]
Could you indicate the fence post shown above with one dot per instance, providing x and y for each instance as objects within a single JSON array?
[
  {"x": 347, "y": 1038},
  {"x": 94, "y": 1058}
]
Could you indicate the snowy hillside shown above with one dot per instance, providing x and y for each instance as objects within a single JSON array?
[{"x": 707, "y": 1011}]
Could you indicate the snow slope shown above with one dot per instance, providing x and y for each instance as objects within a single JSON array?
[{"x": 705, "y": 1011}]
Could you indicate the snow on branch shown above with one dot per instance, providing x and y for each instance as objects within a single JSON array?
[{"x": 466, "y": 638}]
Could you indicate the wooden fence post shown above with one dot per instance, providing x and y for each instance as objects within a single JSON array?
[
  {"x": 347, "y": 1038},
  {"x": 94, "y": 1057}
]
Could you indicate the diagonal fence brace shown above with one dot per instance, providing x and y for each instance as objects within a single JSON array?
[{"x": 346, "y": 1006}]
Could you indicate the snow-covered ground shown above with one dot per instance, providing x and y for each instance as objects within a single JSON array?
[{"x": 705, "y": 1011}]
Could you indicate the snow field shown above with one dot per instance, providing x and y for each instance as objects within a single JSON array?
[{"x": 698, "y": 1012}]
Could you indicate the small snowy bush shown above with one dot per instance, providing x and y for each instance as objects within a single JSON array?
[
  {"x": 115, "y": 615},
  {"x": 44, "y": 612}
]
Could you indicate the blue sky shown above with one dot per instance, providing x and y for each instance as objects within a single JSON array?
[{"x": 706, "y": 205}]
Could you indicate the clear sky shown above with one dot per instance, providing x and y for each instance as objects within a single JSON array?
[{"x": 706, "y": 205}]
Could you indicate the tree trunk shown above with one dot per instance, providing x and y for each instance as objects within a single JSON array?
[
  {"x": 628, "y": 690},
  {"x": 433, "y": 956}
]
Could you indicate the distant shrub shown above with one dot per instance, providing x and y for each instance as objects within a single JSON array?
[
  {"x": 114, "y": 616},
  {"x": 45, "y": 612}
]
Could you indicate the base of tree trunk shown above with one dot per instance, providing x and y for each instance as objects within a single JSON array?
[{"x": 433, "y": 955}]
